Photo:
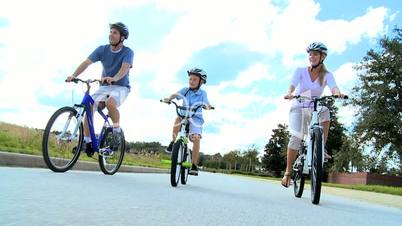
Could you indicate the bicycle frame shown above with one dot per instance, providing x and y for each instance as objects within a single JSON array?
[
  {"x": 314, "y": 124},
  {"x": 85, "y": 107}
]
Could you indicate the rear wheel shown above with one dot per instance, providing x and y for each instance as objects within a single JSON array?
[
  {"x": 177, "y": 159},
  {"x": 316, "y": 167},
  {"x": 61, "y": 144},
  {"x": 298, "y": 178},
  {"x": 111, "y": 155}
]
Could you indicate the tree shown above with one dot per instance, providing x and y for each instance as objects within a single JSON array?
[
  {"x": 250, "y": 158},
  {"x": 378, "y": 96},
  {"x": 274, "y": 158}
]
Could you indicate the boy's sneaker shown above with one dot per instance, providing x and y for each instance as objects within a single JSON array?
[
  {"x": 194, "y": 170},
  {"x": 169, "y": 148}
]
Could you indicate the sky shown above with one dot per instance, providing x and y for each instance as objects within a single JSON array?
[{"x": 249, "y": 49}]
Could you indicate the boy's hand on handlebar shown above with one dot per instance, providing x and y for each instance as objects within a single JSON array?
[
  {"x": 208, "y": 107},
  {"x": 166, "y": 100}
]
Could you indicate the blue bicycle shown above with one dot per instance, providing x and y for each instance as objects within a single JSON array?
[{"x": 63, "y": 137}]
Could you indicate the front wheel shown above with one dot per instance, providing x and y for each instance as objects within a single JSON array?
[
  {"x": 316, "y": 166},
  {"x": 111, "y": 151},
  {"x": 177, "y": 159},
  {"x": 62, "y": 140}
]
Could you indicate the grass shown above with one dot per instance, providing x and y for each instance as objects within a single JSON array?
[
  {"x": 371, "y": 188},
  {"x": 18, "y": 139}
]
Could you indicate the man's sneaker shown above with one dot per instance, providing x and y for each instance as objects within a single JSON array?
[
  {"x": 169, "y": 148},
  {"x": 87, "y": 148},
  {"x": 194, "y": 170},
  {"x": 114, "y": 139}
]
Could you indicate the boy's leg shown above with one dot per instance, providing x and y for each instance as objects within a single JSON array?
[
  {"x": 195, "y": 138},
  {"x": 176, "y": 129}
]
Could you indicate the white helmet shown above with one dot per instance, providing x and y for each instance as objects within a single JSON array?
[{"x": 317, "y": 46}]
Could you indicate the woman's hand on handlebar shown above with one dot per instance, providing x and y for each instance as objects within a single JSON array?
[{"x": 288, "y": 96}]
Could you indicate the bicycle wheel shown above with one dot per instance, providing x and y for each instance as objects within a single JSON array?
[
  {"x": 62, "y": 140},
  {"x": 316, "y": 167},
  {"x": 177, "y": 158},
  {"x": 185, "y": 169},
  {"x": 298, "y": 178},
  {"x": 111, "y": 155}
]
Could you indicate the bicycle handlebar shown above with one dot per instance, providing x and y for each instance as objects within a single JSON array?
[
  {"x": 300, "y": 97},
  {"x": 76, "y": 80},
  {"x": 192, "y": 110},
  {"x": 89, "y": 81}
]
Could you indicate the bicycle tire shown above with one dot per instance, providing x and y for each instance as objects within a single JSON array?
[
  {"x": 176, "y": 163},
  {"x": 47, "y": 146},
  {"x": 298, "y": 180},
  {"x": 184, "y": 170},
  {"x": 316, "y": 167},
  {"x": 106, "y": 164}
]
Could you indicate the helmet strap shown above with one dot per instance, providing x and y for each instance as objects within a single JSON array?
[
  {"x": 120, "y": 41},
  {"x": 321, "y": 62}
]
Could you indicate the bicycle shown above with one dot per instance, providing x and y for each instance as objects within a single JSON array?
[
  {"x": 63, "y": 137},
  {"x": 310, "y": 157},
  {"x": 181, "y": 156}
]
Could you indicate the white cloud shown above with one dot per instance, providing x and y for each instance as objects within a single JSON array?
[
  {"x": 255, "y": 73},
  {"x": 42, "y": 45}
]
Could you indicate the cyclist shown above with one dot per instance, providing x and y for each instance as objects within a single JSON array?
[
  {"x": 192, "y": 96},
  {"x": 117, "y": 60},
  {"x": 308, "y": 81}
]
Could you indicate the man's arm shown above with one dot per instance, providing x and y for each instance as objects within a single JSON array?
[
  {"x": 81, "y": 68},
  {"x": 125, "y": 67}
]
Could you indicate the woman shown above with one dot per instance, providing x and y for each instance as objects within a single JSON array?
[{"x": 309, "y": 81}]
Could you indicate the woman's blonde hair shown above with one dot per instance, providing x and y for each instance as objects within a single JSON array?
[{"x": 321, "y": 73}]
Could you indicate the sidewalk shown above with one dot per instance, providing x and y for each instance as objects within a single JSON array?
[{"x": 34, "y": 161}]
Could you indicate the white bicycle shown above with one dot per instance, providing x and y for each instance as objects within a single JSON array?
[{"x": 310, "y": 157}]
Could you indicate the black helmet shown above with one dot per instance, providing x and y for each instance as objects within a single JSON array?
[
  {"x": 121, "y": 28},
  {"x": 199, "y": 72}
]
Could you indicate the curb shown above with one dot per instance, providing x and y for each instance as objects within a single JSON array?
[{"x": 34, "y": 161}]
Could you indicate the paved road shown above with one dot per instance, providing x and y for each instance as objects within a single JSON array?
[{"x": 41, "y": 197}]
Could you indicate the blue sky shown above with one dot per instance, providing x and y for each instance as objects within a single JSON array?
[{"x": 249, "y": 49}]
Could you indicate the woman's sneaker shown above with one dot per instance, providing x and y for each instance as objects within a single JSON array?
[{"x": 194, "y": 170}]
